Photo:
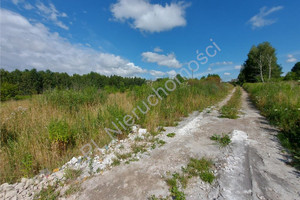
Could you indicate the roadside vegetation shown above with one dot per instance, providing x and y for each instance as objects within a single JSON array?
[
  {"x": 178, "y": 181},
  {"x": 47, "y": 130},
  {"x": 280, "y": 103},
  {"x": 231, "y": 109}
]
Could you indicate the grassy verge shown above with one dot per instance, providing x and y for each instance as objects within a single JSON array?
[
  {"x": 280, "y": 103},
  {"x": 231, "y": 109},
  {"x": 47, "y": 130}
]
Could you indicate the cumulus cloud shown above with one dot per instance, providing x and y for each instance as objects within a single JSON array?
[
  {"x": 157, "y": 73},
  {"x": 221, "y": 63},
  {"x": 157, "y": 49},
  {"x": 237, "y": 67},
  {"x": 227, "y": 74},
  {"x": 52, "y": 14},
  {"x": 25, "y": 45},
  {"x": 260, "y": 20},
  {"x": 291, "y": 59},
  {"x": 145, "y": 16},
  {"x": 168, "y": 60}
]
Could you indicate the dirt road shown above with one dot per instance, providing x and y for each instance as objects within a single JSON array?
[{"x": 251, "y": 167}]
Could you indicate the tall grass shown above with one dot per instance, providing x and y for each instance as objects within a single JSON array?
[
  {"x": 47, "y": 130},
  {"x": 280, "y": 103}
]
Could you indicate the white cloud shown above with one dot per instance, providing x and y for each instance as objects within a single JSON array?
[
  {"x": 221, "y": 63},
  {"x": 172, "y": 73},
  {"x": 291, "y": 59},
  {"x": 25, "y": 45},
  {"x": 227, "y": 74},
  {"x": 157, "y": 73},
  {"x": 150, "y": 17},
  {"x": 237, "y": 67},
  {"x": 209, "y": 69},
  {"x": 168, "y": 60},
  {"x": 158, "y": 49},
  {"x": 259, "y": 20},
  {"x": 52, "y": 14}
]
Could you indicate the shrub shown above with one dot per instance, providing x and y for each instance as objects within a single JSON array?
[{"x": 59, "y": 132}]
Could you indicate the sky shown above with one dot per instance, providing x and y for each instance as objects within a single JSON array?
[{"x": 145, "y": 38}]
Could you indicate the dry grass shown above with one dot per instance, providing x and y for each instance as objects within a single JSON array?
[{"x": 25, "y": 144}]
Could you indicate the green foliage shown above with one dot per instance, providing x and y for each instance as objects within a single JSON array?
[
  {"x": 8, "y": 91},
  {"x": 223, "y": 141},
  {"x": 60, "y": 132},
  {"x": 265, "y": 53},
  {"x": 294, "y": 74},
  {"x": 30, "y": 82},
  {"x": 231, "y": 109},
  {"x": 280, "y": 103},
  {"x": 72, "y": 100}
]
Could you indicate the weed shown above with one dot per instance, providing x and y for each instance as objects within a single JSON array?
[
  {"x": 115, "y": 162},
  {"x": 138, "y": 148},
  {"x": 171, "y": 135},
  {"x": 72, "y": 174},
  {"x": 48, "y": 193},
  {"x": 123, "y": 156},
  {"x": 161, "y": 142},
  {"x": 73, "y": 188},
  {"x": 223, "y": 141},
  {"x": 138, "y": 139}
]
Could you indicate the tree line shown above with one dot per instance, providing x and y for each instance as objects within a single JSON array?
[
  {"x": 16, "y": 84},
  {"x": 261, "y": 66}
]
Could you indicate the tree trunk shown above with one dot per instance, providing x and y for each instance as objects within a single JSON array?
[
  {"x": 270, "y": 66},
  {"x": 260, "y": 67}
]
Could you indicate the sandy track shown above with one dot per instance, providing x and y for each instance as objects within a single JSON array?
[{"x": 251, "y": 167}]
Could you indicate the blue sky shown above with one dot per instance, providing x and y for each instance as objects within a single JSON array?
[{"x": 147, "y": 38}]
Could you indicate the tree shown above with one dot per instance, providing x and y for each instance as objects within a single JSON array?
[
  {"x": 261, "y": 64},
  {"x": 294, "y": 74}
]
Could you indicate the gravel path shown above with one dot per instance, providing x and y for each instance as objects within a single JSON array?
[{"x": 251, "y": 167}]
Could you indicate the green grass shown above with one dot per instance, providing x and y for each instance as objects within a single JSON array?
[
  {"x": 280, "y": 103},
  {"x": 231, "y": 109},
  {"x": 223, "y": 140}
]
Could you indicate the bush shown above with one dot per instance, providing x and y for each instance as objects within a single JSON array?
[{"x": 59, "y": 132}]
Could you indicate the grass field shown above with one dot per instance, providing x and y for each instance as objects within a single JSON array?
[
  {"x": 280, "y": 103},
  {"x": 47, "y": 130}
]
